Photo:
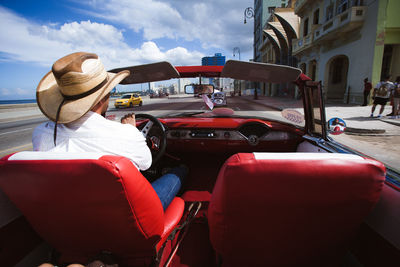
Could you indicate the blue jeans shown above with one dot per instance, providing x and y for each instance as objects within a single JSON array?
[{"x": 168, "y": 185}]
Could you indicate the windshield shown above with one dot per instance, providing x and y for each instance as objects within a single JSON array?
[
  {"x": 126, "y": 96},
  {"x": 286, "y": 107}
]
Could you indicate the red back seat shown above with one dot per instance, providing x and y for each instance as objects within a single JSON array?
[
  {"x": 290, "y": 209},
  {"x": 85, "y": 203}
]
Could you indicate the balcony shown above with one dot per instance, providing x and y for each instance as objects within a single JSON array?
[
  {"x": 305, "y": 42},
  {"x": 344, "y": 22},
  {"x": 301, "y": 44}
]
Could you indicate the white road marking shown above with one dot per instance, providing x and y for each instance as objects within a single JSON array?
[
  {"x": 16, "y": 131},
  {"x": 16, "y": 149}
]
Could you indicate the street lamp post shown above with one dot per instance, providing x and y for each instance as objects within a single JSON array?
[
  {"x": 249, "y": 13},
  {"x": 237, "y": 49}
]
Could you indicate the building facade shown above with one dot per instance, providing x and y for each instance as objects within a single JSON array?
[
  {"x": 276, "y": 47},
  {"x": 337, "y": 42},
  {"x": 263, "y": 9},
  {"x": 217, "y": 60},
  {"x": 341, "y": 42}
]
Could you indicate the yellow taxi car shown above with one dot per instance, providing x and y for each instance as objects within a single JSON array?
[{"x": 128, "y": 100}]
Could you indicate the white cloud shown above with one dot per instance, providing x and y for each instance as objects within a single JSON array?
[
  {"x": 26, "y": 41},
  {"x": 22, "y": 92},
  {"x": 19, "y": 39},
  {"x": 18, "y": 92},
  {"x": 180, "y": 56},
  {"x": 5, "y": 92},
  {"x": 217, "y": 24}
]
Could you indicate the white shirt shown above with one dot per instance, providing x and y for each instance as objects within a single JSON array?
[
  {"x": 94, "y": 133},
  {"x": 390, "y": 87}
]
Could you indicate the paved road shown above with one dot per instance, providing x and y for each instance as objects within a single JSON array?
[
  {"x": 16, "y": 135},
  {"x": 164, "y": 106}
]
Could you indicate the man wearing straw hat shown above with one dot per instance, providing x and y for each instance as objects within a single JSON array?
[{"x": 74, "y": 95}]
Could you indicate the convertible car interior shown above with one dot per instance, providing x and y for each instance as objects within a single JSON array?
[
  {"x": 263, "y": 206},
  {"x": 260, "y": 192}
]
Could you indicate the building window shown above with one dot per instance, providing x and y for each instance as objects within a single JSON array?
[
  {"x": 386, "y": 60},
  {"x": 305, "y": 27},
  {"x": 313, "y": 71},
  {"x": 338, "y": 65},
  {"x": 329, "y": 12},
  {"x": 316, "y": 17},
  {"x": 357, "y": 3}
]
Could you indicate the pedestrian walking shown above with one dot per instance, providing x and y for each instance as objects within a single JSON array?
[
  {"x": 381, "y": 95},
  {"x": 367, "y": 90}
]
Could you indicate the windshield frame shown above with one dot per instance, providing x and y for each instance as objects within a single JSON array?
[{"x": 314, "y": 109}]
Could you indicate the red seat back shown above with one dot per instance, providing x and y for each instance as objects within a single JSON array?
[
  {"x": 290, "y": 209},
  {"x": 85, "y": 203}
]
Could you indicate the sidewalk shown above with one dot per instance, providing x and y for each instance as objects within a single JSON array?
[{"x": 356, "y": 117}]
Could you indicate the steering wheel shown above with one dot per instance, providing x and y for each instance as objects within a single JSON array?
[{"x": 157, "y": 144}]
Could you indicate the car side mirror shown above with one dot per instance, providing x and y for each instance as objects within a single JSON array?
[{"x": 336, "y": 126}]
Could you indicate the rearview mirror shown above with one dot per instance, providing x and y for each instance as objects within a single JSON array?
[{"x": 199, "y": 89}]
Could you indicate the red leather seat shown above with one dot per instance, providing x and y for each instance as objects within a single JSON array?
[
  {"x": 291, "y": 209},
  {"x": 85, "y": 203}
]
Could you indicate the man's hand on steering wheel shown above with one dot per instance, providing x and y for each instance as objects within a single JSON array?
[{"x": 129, "y": 119}]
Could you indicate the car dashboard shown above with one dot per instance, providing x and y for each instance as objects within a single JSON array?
[{"x": 229, "y": 135}]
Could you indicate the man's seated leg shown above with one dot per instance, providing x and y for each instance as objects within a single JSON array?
[{"x": 168, "y": 185}]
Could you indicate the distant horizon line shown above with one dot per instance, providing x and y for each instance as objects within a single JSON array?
[{"x": 17, "y": 101}]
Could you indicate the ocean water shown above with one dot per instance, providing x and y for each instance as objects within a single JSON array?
[{"x": 20, "y": 101}]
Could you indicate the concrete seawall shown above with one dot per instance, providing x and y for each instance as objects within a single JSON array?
[{"x": 15, "y": 112}]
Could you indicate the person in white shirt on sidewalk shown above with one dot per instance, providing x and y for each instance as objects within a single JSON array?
[
  {"x": 381, "y": 95},
  {"x": 74, "y": 95}
]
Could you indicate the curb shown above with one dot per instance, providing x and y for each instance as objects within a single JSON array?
[
  {"x": 391, "y": 121},
  {"x": 364, "y": 131}
]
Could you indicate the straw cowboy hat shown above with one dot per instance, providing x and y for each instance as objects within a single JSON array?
[{"x": 76, "y": 83}]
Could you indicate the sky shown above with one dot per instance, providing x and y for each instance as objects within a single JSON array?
[{"x": 34, "y": 34}]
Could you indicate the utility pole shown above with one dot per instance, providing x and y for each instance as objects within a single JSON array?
[{"x": 237, "y": 49}]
